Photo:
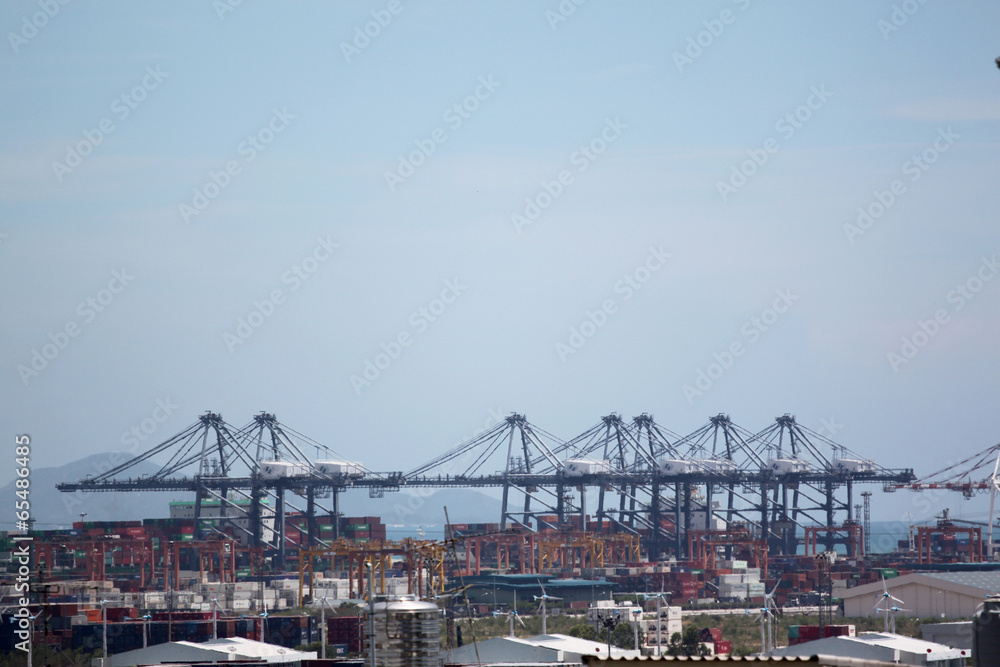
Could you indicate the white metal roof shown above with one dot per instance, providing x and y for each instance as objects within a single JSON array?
[
  {"x": 540, "y": 648},
  {"x": 823, "y": 660},
  {"x": 232, "y": 648},
  {"x": 875, "y": 646},
  {"x": 976, "y": 584}
]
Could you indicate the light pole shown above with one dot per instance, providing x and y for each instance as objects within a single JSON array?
[
  {"x": 104, "y": 632},
  {"x": 31, "y": 634},
  {"x": 659, "y": 599},
  {"x": 323, "y": 603},
  {"x": 31, "y": 637},
  {"x": 145, "y": 629},
  {"x": 637, "y": 613},
  {"x": 371, "y": 613}
]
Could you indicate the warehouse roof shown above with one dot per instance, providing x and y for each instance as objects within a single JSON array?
[
  {"x": 215, "y": 650},
  {"x": 988, "y": 581},
  {"x": 876, "y": 646},
  {"x": 538, "y": 649},
  {"x": 825, "y": 660},
  {"x": 969, "y": 583}
]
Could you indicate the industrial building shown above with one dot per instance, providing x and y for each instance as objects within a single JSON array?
[
  {"x": 513, "y": 589},
  {"x": 949, "y": 595},
  {"x": 821, "y": 660},
  {"x": 887, "y": 647},
  {"x": 958, "y": 634},
  {"x": 540, "y": 649},
  {"x": 215, "y": 650}
]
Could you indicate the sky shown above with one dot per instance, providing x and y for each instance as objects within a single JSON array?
[{"x": 389, "y": 222}]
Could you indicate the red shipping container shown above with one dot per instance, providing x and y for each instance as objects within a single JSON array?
[
  {"x": 723, "y": 648},
  {"x": 710, "y": 635}
]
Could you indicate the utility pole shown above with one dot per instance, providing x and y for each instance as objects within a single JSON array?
[
  {"x": 371, "y": 613},
  {"x": 867, "y": 526}
]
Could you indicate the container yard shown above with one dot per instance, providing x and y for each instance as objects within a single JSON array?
[{"x": 243, "y": 560}]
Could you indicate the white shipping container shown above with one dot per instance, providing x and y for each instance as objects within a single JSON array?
[
  {"x": 579, "y": 467},
  {"x": 674, "y": 467},
  {"x": 335, "y": 468},
  {"x": 786, "y": 466},
  {"x": 741, "y": 591},
  {"x": 717, "y": 466},
  {"x": 282, "y": 469},
  {"x": 852, "y": 465}
]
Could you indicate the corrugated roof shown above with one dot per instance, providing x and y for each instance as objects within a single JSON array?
[
  {"x": 830, "y": 660},
  {"x": 988, "y": 581}
]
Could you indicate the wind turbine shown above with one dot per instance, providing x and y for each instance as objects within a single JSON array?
[
  {"x": 263, "y": 622},
  {"x": 765, "y": 617},
  {"x": 890, "y": 617},
  {"x": 544, "y": 597},
  {"x": 216, "y": 608},
  {"x": 104, "y": 629},
  {"x": 31, "y": 632},
  {"x": 512, "y": 615},
  {"x": 994, "y": 486},
  {"x": 637, "y": 613},
  {"x": 885, "y": 597},
  {"x": 322, "y": 623},
  {"x": 769, "y": 597}
]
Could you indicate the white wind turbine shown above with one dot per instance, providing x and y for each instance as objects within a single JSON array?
[
  {"x": 890, "y": 612},
  {"x": 544, "y": 597}
]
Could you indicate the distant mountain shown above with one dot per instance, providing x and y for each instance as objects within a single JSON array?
[{"x": 52, "y": 509}]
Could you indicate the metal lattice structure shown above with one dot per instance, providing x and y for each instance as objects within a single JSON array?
[{"x": 648, "y": 480}]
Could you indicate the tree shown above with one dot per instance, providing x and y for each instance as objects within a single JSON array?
[
  {"x": 624, "y": 636},
  {"x": 583, "y": 632},
  {"x": 687, "y": 644}
]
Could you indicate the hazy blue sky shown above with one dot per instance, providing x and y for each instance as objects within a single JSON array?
[{"x": 697, "y": 168}]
